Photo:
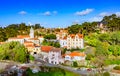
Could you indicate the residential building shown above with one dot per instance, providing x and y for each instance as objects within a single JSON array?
[
  {"x": 21, "y": 40},
  {"x": 61, "y": 34},
  {"x": 30, "y": 42},
  {"x": 72, "y": 41},
  {"x": 54, "y": 56},
  {"x": 75, "y": 56},
  {"x": 44, "y": 52},
  {"x": 24, "y": 38},
  {"x": 41, "y": 39}
]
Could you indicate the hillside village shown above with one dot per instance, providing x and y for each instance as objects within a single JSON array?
[
  {"x": 59, "y": 37},
  {"x": 79, "y": 48},
  {"x": 49, "y": 53}
]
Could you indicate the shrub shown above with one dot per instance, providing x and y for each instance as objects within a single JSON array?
[
  {"x": 117, "y": 68},
  {"x": 75, "y": 64},
  {"x": 106, "y": 74}
]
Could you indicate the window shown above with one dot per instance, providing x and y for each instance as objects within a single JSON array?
[
  {"x": 52, "y": 62},
  {"x": 35, "y": 52},
  {"x": 53, "y": 54}
]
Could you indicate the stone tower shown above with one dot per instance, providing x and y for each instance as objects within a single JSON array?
[{"x": 31, "y": 33}]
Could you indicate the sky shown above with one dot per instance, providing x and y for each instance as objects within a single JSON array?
[{"x": 56, "y": 13}]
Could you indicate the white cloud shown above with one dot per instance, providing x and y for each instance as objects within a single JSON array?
[
  {"x": 95, "y": 19},
  {"x": 104, "y": 14},
  {"x": 118, "y": 14},
  {"x": 84, "y": 12},
  {"x": 108, "y": 13},
  {"x": 22, "y": 12},
  {"x": 47, "y": 13}
]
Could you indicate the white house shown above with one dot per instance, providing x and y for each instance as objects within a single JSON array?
[
  {"x": 30, "y": 42},
  {"x": 54, "y": 56},
  {"x": 41, "y": 39},
  {"x": 75, "y": 56},
  {"x": 63, "y": 42},
  {"x": 21, "y": 40},
  {"x": 72, "y": 41}
]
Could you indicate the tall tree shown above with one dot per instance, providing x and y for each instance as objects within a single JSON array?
[{"x": 13, "y": 51}]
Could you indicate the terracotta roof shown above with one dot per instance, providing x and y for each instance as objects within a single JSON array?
[
  {"x": 65, "y": 38},
  {"x": 28, "y": 42},
  {"x": 23, "y": 36},
  {"x": 55, "y": 49},
  {"x": 14, "y": 38},
  {"x": 75, "y": 53},
  {"x": 33, "y": 39},
  {"x": 37, "y": 45},
  {"x": 46, "y": 48},
  {"x": 64, "y": 46},
  {"x": 80, "y": 35},
  {"x": 73, "y": 35},
  {"x": 2, "y": 42},
  {"x": 27, "y": 46}
]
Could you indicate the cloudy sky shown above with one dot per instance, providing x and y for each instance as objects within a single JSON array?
[{"x": 56, "y": 13}]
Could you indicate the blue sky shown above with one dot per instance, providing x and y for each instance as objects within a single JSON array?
[{"x": 56, "y": 13}]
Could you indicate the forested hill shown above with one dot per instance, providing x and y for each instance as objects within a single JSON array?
[
  {"x": 111, "y": 23},
  {"x": 13, "y": 30}
]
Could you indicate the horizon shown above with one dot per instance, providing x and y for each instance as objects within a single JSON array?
[{"x": 54, "y": 14}]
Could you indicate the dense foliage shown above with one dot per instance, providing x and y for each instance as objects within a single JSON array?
[
  {"x": 104, "y": 49},
  {"x": 51, "y": 43},
  {"x": 50, "y": 36},
  {"x": 111, "y": 23},
  {"x": 13, "y": 51}
]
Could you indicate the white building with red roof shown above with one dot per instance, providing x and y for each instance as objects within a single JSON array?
[
  {"x": 30, "y": 42},
  {"x": 75, "y": 56},
  {"x": 30, "y": 37},
  {"x": 72, "y": 41},
  {"x": 54, "y": 56}
]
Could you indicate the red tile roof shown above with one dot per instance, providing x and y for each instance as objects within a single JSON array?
[
  {"x": 2, "y": 42},
  {"x": 23, "y": 36},
  {"x": 75, "y": 53},
  {"x": 73, "y": 35},
  {"x": 46, "y": 48},
  {"x": 29, "y": 46},
  {"x": 33, "y": 39}
]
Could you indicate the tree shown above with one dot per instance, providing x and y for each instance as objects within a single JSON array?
[
  {"x": 2, "y": 35},
  {"x": 74, "y": 29},
  {"x": 13, "y": 51},
  {"x": 115, "y": 38},
  {"x": 51, "y": 43},
  {"x": 57, "y": 44},
  {"x": 114, "y": 49},
  {"x": 75, "y": 64},
  {"x": 105, "y": 37},
  {"x": 50, "y": 36}
]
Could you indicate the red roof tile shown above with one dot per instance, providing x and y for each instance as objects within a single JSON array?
[
  {"x": 75, "y": 53},
  {"x": 23, "y": 36},
  {"x": 46, "y": 48}
]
